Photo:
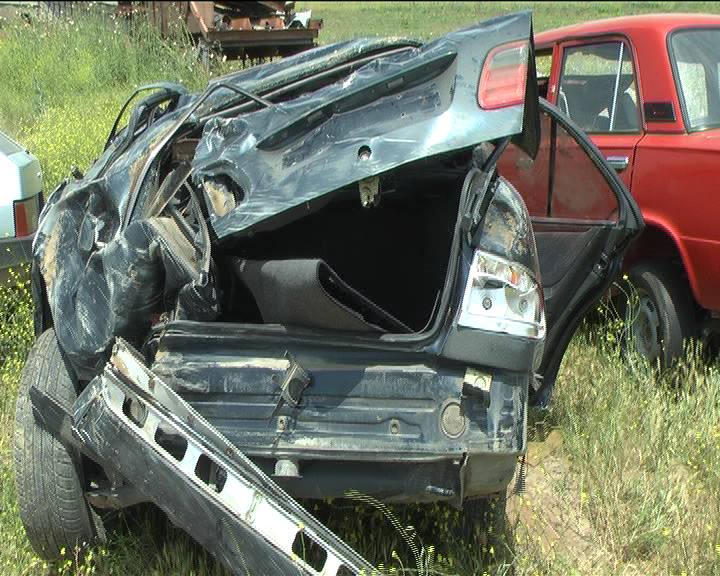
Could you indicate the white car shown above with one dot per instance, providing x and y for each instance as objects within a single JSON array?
[{"x": 20, "y": 203}]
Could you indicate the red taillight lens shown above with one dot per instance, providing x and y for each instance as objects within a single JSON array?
[
  {"x": 503, "y": 77},
  {"x": 26, "y": 215}
]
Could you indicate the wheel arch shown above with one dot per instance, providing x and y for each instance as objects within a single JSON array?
[{"x": 659, "y": 241}]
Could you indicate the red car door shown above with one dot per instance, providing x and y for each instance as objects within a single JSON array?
[{"x": 594, "y": 82}]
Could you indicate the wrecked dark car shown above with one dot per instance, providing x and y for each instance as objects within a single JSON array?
[{"x": 319, "y": 275}]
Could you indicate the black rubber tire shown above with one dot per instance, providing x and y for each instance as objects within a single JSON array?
[
  {"x": 48, "y": 475},
  {"x": 484, "y": 520},
  {"x": 669, "y": 293}
]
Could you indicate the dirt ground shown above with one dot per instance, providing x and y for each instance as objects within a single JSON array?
[{"x": 550, "y": 508}]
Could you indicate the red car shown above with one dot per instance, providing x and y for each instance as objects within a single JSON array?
[{"x": 647, "y": 91}]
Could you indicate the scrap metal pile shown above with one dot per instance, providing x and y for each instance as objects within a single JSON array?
[{"x": 244, "y": 30}]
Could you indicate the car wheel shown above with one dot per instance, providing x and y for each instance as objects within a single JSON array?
[
  {"x": 48, "y": 475},
  {"x": 484, "y": 519},
  {"x": 659, "y": 315}
]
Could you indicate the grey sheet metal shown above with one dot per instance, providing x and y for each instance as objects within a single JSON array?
[{"x": 401, "y": 108}]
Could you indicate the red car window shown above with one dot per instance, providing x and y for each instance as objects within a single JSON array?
[
  {"x": 598, "y": 88},
  {"x": 580, "y": 191},
  {"x": 530, "y": 177},
  {"x": 696, "y": 57}
]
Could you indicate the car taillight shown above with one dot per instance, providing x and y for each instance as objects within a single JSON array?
[
  {"x": 26, "y": 214},
  {"x": 502, "y": 296},
  {"x": 503, "y": 292},
  {"x": 503, "y": 77}
]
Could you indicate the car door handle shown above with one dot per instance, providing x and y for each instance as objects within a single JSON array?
[{"x": 619, "y": 163}]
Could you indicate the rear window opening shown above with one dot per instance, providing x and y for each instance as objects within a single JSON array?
[{"x": 372, "y": 260}]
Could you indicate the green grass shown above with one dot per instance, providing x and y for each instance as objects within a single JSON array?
[
  {"x": 426, "y": 20},
  {"x": 643, "y": 458},
  {"x": 647, "y": 452}
]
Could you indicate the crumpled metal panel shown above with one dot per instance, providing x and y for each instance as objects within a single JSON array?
[
  {"x": 260, "y": 79},
  {"x": 101, "y": 281},
  {"x": 105, "y": 266},
  {"x": 285, "y": 156}
]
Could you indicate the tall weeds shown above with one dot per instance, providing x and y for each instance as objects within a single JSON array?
[{"x": 646, "y": 449}]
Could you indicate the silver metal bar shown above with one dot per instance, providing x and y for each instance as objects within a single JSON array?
[{"x": 617, "y": 86}]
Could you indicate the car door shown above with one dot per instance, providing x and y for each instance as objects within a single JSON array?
[
  {"x": 583, "y": 218},
  {"x": 597, "y": 88}
]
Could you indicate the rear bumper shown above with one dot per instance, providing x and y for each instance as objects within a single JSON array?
[
  {"x": 450, "y": 480},
  {"x": 15, "y": 251},
  {"x": 392, "y": 429},
  {"x": 124, "y": 419}
]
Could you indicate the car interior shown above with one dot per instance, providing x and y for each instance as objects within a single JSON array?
[
  {"x": 587, "y": 99},
  {"x": 597, "y": 87},
  {"x": 352, "y": 268}
]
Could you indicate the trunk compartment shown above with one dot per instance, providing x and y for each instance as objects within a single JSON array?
[{"x": 352, "y": 268}]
